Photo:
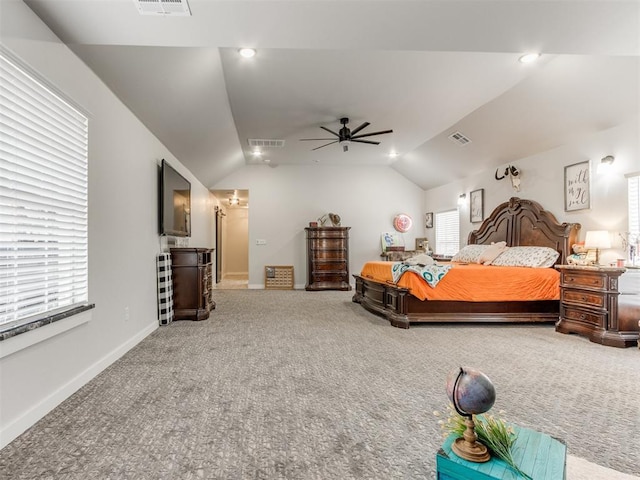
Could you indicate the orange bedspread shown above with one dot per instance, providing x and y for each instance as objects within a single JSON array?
[{"x": 476, "y": 283}]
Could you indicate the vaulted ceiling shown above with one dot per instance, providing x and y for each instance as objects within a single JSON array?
[{"x": 425, "y": 69}]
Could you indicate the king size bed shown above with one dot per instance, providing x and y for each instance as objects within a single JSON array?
[{"x": 519, "y": 223}]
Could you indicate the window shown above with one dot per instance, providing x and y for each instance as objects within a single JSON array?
[
  {"x": 634, "y": 203},
  {"x": 633, "y": 245},
  {"x": 43, "y": 199},
  {"x": 447, "y": 226}
]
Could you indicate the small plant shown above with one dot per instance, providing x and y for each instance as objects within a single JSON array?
[{"x": 493, "y": 432}]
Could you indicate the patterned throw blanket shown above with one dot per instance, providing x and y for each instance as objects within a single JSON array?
[{"x": 431, "y": 274}]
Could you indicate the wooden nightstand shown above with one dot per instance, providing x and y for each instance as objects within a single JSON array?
[{"x": 589, "y": 304}]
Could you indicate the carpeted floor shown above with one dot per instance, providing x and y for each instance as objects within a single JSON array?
[{"x": 308, "y": 385}]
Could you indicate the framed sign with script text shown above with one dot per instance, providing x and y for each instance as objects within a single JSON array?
[{"x": 577, "y": 192}]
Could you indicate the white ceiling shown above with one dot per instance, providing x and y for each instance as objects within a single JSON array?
[{"x": 425, "y": 69}]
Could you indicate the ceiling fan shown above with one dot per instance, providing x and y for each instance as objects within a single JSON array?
[{"x": 346, "y": 136}]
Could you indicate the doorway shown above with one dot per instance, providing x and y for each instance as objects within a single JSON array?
[{"x": 232, "y": 239}]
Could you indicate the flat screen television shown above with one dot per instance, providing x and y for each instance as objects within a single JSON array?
[{"x": 175, "y": 202}]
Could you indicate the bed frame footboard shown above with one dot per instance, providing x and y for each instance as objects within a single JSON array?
[{"x": 401, "y": 308}]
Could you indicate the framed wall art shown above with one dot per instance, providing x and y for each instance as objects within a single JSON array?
[
  {"x": 577, "y": 190},
  {"x": 476, "y": 212},
  {"x": 428, "y": 220}
]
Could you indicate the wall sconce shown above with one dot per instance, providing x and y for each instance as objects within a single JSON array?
[
  {"x": 462, "y": 199},
  {"x": 596, "y": 239},
  {"x": 605, "y": 164}
]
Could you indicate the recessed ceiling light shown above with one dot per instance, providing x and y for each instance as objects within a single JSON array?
[
  {"x": 257, "y": 153},
  {"x": 393, "y": 154},
  {"x": 529, "y": 57},
  {"x": 247, "y": 52}
]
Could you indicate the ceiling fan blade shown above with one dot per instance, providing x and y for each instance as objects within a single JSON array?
[
  {"x": 364, "y": 125},
  {"x": 307, "y": 139},
  {"x": 330, "y": 131},
  {"x": 373, "y": 133},
  {"x": 365, "y": 141},
  {"x": 330, "y": 143}
]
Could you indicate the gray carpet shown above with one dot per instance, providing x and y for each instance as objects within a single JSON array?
[{"x": 308, "y": 385}]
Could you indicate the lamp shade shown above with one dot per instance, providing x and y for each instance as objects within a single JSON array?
[{"x": 597, "y": 239}]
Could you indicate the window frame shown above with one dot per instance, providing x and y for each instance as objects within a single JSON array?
[
  {"x": 17, "y": 233},
  {"x": 441, "y": 220}
]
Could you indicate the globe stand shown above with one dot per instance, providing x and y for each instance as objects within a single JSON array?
[{"x": 468, "y": 447}]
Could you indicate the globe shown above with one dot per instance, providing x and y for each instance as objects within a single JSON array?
[{"x": 470, "y": 391}]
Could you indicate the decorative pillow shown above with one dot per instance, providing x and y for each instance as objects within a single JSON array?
[
  {"x": 490, "y": 254},
  {"x": 537, "y": 257},
  {"x": 469, "y": 253}
]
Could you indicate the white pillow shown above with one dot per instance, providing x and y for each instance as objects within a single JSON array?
[
  {"x": 537, "y": 257},
  {"x": 469, "y": 253},
  {"x": 490, "y": 254}
]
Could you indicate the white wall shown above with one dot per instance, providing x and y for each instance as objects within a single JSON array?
[
  {"x": 285, "y": 199},
  {"x": 542, "y": 180},
  {"x": 123, "y": 235}
]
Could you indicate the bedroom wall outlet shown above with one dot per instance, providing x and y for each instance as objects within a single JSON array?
[
  {"x": 126, "y": 314},
  {"x": 261, "y": 241}
]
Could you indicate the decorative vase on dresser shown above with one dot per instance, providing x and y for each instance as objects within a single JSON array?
[
  {"x": 327, "y": 258},
  {"x": 192, "y": 283}
]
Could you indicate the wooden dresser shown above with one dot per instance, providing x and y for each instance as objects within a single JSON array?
[
  {"x": 589, "y": 304},
  {"x": 327, "y": 258},
  {"x": 192, "y": 283}
]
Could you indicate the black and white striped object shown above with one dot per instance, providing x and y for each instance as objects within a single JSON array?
[{"x": 165, "y": 289}]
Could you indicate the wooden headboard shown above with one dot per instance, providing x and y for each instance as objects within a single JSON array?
[{"x": 525, "y": 223}]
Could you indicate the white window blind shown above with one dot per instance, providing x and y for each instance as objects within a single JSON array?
[
  {"x": 447, "y": 225},
  {"x": 634, "y": 204},
  {"x": 43, "y": 199}
]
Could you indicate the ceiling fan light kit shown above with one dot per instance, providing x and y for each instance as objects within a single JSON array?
[{"x": 347, "y": 136}]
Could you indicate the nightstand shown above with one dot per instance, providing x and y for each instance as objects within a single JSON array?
[{"x": 589, "y": 304}]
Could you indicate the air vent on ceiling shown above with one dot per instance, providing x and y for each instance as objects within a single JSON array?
[
  {"x": 163, "y": 7},
  {"x": 257, "y": 142},
  {"x": 459, "y": 138}
]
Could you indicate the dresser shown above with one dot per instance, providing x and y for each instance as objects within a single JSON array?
[
  {"x": 327, "y": 258},
  {"x": 192, "y": 283},
  {"x": 589, "y": 304}
]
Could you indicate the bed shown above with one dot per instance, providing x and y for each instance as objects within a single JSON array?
[{"x": 517, "y": 222}]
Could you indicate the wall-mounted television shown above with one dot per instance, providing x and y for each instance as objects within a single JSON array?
[{"x": 175, "y": 202}]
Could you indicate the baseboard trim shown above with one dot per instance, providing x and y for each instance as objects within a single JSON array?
[{"x": 30, "y": 417}]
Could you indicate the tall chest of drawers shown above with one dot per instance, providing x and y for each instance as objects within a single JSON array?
[
  {"x": 327, "y": 258},
  {"x": 192, "y": 283},
  {"x": 589, "y": 303}
]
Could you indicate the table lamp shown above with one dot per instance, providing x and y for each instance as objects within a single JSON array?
[{"x": 597, "y": 239}]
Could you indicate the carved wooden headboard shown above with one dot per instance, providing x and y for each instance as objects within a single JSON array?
[{"x": 525, "y": 223}]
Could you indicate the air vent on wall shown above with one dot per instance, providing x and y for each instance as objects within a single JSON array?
[
  {"x": 163, "y": 7},
  {"x": 459, "y": 138},
  {"x": 257, "y": 142}
]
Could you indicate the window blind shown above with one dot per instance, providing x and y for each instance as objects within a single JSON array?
[
  {"x": 43, "y": 199},
  {"x": 447, "y": 225}
]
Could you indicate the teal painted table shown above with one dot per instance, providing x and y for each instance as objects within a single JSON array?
[{"x": 538, "y": 455}]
